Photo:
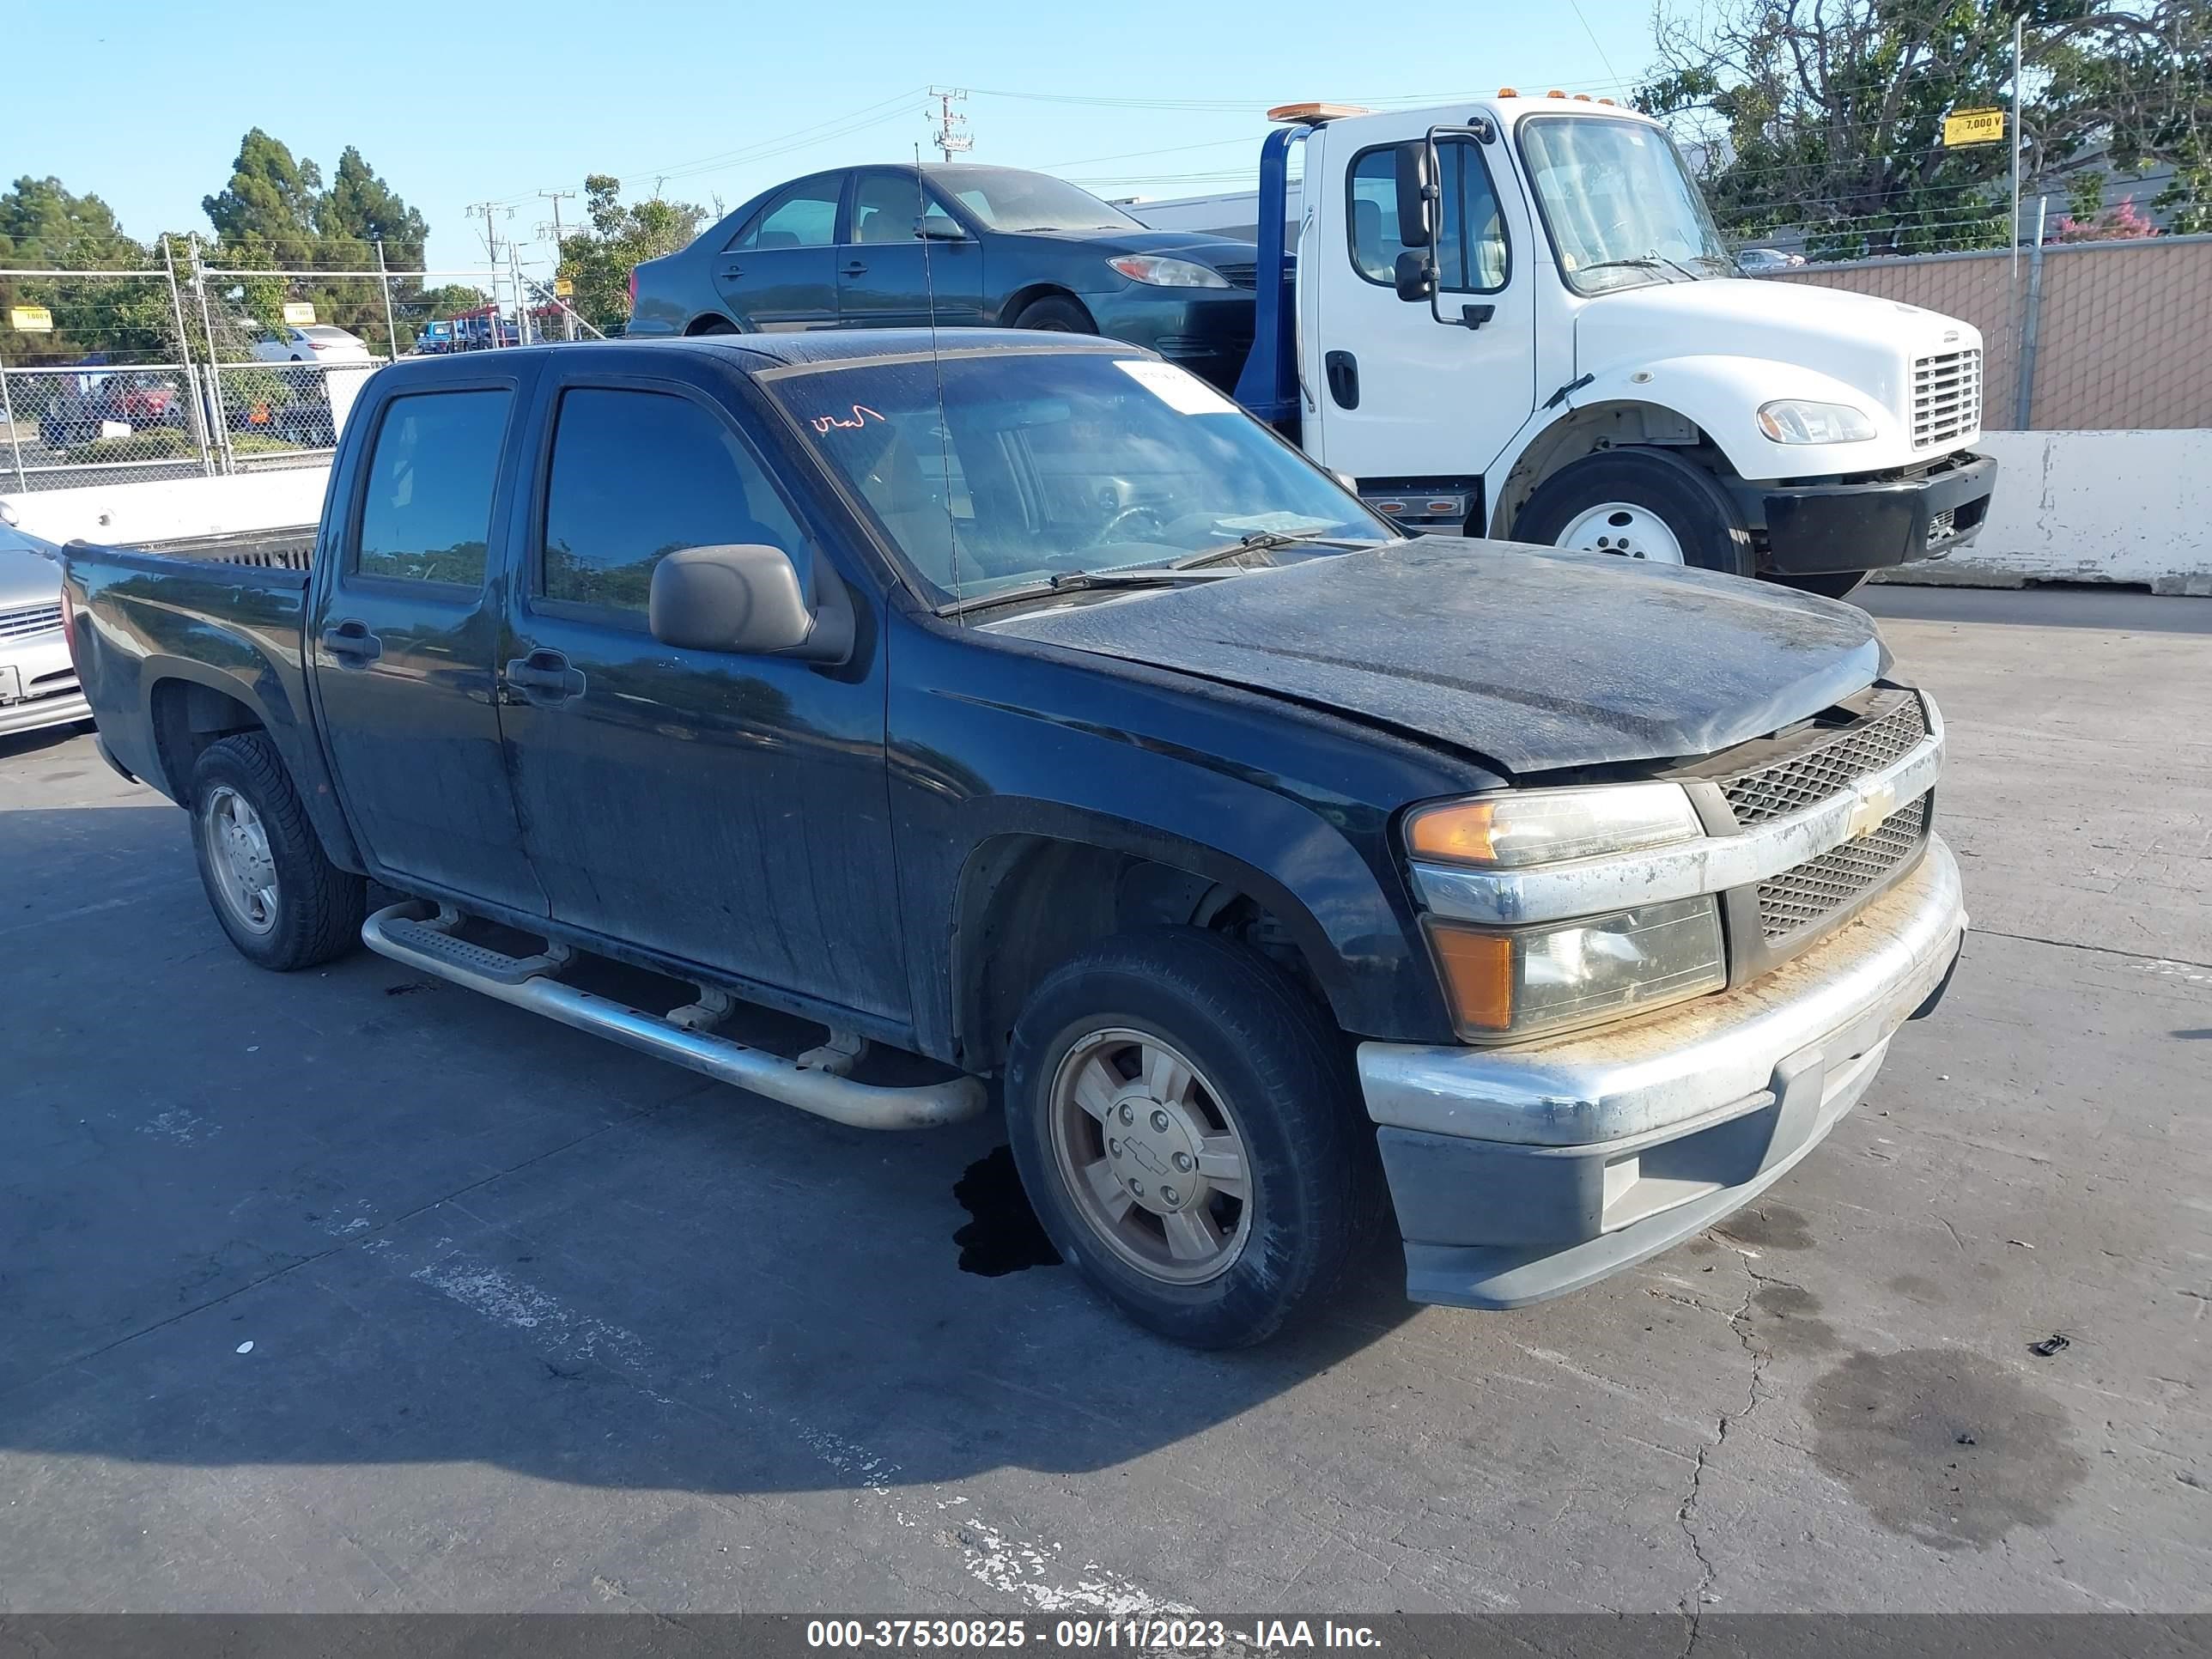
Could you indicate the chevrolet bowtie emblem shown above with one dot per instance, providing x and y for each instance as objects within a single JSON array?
[{"x": 1875, "y": 803}]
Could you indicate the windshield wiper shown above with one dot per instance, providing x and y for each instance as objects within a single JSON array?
[
  {"x": 1646, "y": 262},
  {"x": 1261, "y": 540},
  {"x": 1076, "y": 581}
]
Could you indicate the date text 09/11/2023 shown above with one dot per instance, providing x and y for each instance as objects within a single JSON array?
[{"x": 1139, "y": 1634}]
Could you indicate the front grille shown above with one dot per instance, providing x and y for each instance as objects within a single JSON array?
[
  {"x": 25, "y": 620},
  {"x": 1815, "y": 889},
  {"x": 1239, "y": 275},
  {"x": 1947, "y": 398},
  {"x": 1828, "y": 767}
]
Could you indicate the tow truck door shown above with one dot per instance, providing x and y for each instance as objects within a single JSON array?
[{"x": 1404, "y": 390}]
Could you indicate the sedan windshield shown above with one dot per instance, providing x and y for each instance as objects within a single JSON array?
[
  {"x": 1030, "y": 466},
  {"x": 1006, "y": 198},
  {"x": 1622, "y": 207}
]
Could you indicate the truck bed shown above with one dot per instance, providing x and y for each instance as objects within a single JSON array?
[{"x": 289, "y": 548}]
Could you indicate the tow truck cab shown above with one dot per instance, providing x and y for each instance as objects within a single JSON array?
[{"x": 1515, "y": 318}]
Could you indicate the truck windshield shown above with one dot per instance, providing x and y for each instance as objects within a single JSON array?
[
  {"x": 1036, "y": 464},
  {"x": 1621, "y": 207},
  {"x": 1006, "y": 198}
]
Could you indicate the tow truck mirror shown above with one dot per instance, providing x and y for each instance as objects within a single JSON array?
[
  {"x": 745, "y": 598},
  {"x": 1415, "y": 277},
  {"x": 1414, "y": 182}
]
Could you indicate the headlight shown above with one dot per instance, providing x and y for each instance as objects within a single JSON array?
[
  {"x": 1158, "y": 271},
  {"x": 1544, "y": 826},
  {"x": 1793, "y": 421},
  {"x": 1527, "y": 981}
]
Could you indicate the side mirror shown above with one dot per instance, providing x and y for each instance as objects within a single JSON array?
[
  {"x": 748, "y": 599},
  {"x": 1413, "y": 277},
  {"x": 929, "y": 229},
  {"x": 1414, "y": 184}
]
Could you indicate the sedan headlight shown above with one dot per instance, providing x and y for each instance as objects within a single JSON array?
[
  {"x": 1524, "y": 981},
  {"x": 1545, "y": 826},
  {"x": 1156, "y": 271},
  {"x": 1793, "y": 421}
]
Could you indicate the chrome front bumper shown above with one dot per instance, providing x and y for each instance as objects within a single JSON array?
[{"x": 1520, "y": 1174}]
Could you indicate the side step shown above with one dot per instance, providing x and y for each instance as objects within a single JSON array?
[{"x": 406, "y": 934}]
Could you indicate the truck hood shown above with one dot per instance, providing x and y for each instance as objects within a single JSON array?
[
  {"x": 1531, "y": 658},
  {"x": 1862, "y": 340}
]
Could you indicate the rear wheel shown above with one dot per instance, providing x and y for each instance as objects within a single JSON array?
[
  {"x": 1642, "y": 504},
  {"x": 1186, "y": 1122},
  {"x": 284, "y": 904},
  {"x": 1056, "y": 314},
  {"x": 715, "y": 325}
]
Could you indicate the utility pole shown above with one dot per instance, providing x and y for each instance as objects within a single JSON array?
[
  {"x": 2019, "y": 140},
  {"x": 556, "y": 197},
  {"x": 952, "y": 137},
  {"x": 491, "y": 239}
]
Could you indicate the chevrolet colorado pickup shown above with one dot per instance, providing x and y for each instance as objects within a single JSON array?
[{"x": 904, "y": 712}]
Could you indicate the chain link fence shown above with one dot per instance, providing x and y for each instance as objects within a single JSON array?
[
  {"x": 2106, "y": 336},
  {"x": 196, "y": 367}
]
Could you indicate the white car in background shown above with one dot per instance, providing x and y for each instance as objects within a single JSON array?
[
  {"x": 315, "y": 343},
  {"x": 37, "y": 682}
]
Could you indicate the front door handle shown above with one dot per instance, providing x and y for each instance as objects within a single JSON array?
[
  {"x": 352, "y": 644},
  {"x": 1343, "y": 371},
  {"x": 545, "y": 677},
  {"x": 855, "y": 269}
]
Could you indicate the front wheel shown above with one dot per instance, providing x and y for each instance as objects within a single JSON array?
[
  {"x": 1056, "y": 314},
  {"x": 1188, "y": 1127},
  {"x": 284, "y": 904},
  {"x": 1642, "y": 504}
]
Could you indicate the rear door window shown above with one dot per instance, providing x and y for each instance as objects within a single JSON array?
[
  {"x": 426, "y": 513},
  {"x": 636, "y": 476},
  {"x": 804, "y": 215}
]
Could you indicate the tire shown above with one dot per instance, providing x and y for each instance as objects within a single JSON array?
[
  {"x": 1055, "y": 313},
  {"x": 1682, "y": 503},
  {"x": 716, "y": 326},
  {"x": 313, "y": 911},
  {"x": 1265, "y": 1061},
  {"x": 1828, "y": 584}
]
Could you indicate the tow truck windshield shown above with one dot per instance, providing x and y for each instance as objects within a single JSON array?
[
  {"x": 1620, "y": 204},
  {"x": 1034, "y": 467}
]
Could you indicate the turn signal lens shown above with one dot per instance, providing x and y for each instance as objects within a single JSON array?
[
  {"x": 1536, "y": 980},
  {"x": 1545, "y": 826}
]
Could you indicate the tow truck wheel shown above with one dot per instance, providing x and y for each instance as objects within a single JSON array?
[
  {"x": 1642, "y": 504},
  {"x": 1186, "y": 1125},
  {"x": 284, "y": 904}
]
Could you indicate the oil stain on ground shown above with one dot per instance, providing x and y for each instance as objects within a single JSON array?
[
  {"x": 1005, "y": 1236},
  {"x": 1943, "y": 1445}
]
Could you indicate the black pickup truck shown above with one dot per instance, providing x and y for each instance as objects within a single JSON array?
[{"x": 1012, "y": 707}]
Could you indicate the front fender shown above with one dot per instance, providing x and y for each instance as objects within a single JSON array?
[{"x": 1723, "y": 394}]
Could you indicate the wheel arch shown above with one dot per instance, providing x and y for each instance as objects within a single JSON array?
[
  {"x": 1026, "y": 901},
  {"x": 711, "y": 322},
  {"x": 1029, "y": 294},
  {"x": 1615, "y": 423}
]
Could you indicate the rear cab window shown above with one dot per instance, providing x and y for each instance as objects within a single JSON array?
[
  {"x": 636, "y": 475},
  {"x": 426, "y": 509}
]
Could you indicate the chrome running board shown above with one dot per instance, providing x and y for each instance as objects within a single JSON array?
[{"x": 407, "y": 934}]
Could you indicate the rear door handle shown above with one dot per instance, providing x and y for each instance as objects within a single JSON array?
[
  {"x": 352, "y": 643},
  {"x": 733, "y": 270},
  {"x": 545, "y": 677},
  {"x": 856, "y": 269}
]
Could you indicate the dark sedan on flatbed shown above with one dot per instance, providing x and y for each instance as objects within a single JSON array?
[{"x": 896, "y": 247}]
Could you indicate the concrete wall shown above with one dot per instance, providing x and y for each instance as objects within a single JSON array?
[
  {"x": 2090, "y": 507},
  {"x": 132, "y": 512}
]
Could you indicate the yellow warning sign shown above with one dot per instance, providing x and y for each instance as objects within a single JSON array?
[
  {"x": 299, "y": 313},
  {"x": 1973, "y": 126},
  {"x": 562, "y": 287},
  {"x": 30, "y": 320}
]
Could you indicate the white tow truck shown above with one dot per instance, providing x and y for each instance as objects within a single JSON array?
[{"x": 1514, "y": 317}]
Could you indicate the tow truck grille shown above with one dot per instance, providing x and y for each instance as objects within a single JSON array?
[
  {"x": 1813, "y": 774},
  {"x": 1947, "y": 398},
  {"x": 25, "y": 620},
  {"x": 1815, "y": 890}
]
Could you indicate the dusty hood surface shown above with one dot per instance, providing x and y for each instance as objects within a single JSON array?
[{"x": 1532, "y": 658}]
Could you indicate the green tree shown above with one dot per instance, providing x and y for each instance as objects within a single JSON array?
[
  {"x": 46, "y": 225},
  {"x": 1827, "y": 115},
  {"x": 618, "y": 236},
  {"x": 270, "y": 198}
]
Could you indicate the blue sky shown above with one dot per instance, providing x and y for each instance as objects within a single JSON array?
[{"x": 145, "y": 103}]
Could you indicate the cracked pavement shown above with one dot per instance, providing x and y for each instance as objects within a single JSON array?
[{"x": 537, "y": 1324}]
